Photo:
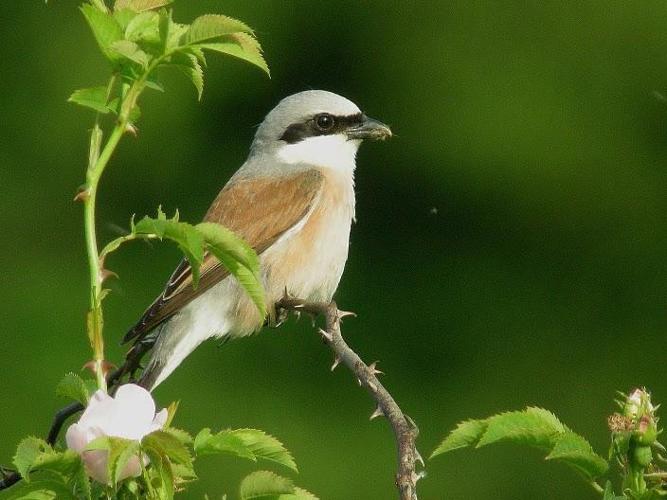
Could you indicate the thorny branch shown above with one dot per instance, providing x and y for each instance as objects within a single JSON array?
[{"x": 405, "y": 430}]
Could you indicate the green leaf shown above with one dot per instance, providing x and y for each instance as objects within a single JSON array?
[
  {"x": 466, "y": 434},
  {"x": 238, "y": 257},
  {"x": 144, "y": 26},
  {"x": 189, "y": 65},
  {"x": 105, "y": 27},
  {"x": 27, "y": 452},
  {"x": 94, "y": 98},
  {"x": 241, "y": 46},
  {"x": 170, "y": 32},
  {"x": 211, "y": 26},
  {"x": 72, "y": 386},
  {"x": 574, "y": 450},
  {"x": 534, "y": 427},
  {"x": 121, "y": 452},
  {"x": 168, "y": 445},
  {"x": 66, "y": 463},
  {"x": 140, "y": 5},
  {"x": 245, "y": 443},
  {"x": 130, "y": 51},
  {"x": 265, "y": 485},
  {"x": 42, "y": 489},
  {"x": 187, "y": 237},
  {"x": 183, "y": 436},
  {"x": 161, "y": 475}
]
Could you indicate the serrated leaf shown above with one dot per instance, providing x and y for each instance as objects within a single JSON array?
[
  {"x": 170, "y": 32},
  {"x": 252, "y": 444},
  {"x": 130, "y": 51},
  {"x": 105, "y": 27},
  {"x": 524, "y": 427},
  {"x": 72, "y": 386},
  {"x": 189, "y": 240},
  {"x": 299, "y": 494},
  {"x": 466, "y": 434},
  {"x": 168, "y": 445},
  {"x": 193, "y": 70},
  {"x": 144, "y": 26},
  {"x": 577, "y": 452},
  {"x": 534, "y": 427},
  {"x": 265, "y": 485},
  {"x": 27, "y": 452},
  {"x": 65, "y": 463},
  {"x": 238, "y": 257},
  {"x": 42, "y": 489},
  {"x": 240, "y": 45},
  {"x": 140, "y": 5},
  {"x": 121, "y": 452},
  {"x": 94, "y": 98},
  {"x": 161, "y": 475},
  {"x": 183, "y": 436},
  {"x": 210, "y": 26}
]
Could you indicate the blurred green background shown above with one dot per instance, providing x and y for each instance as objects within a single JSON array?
[{"x": 509, "y": 251}]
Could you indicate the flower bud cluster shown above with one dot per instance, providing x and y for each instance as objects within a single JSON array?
[{"x": 635, "y": 437}]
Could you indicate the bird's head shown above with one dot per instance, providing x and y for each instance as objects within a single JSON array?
[{"x": 317, "y": 128}]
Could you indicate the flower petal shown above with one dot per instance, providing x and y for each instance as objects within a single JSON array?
[
  {"x": 76, "y": 438},
  {"x": 132, "y": 413}
]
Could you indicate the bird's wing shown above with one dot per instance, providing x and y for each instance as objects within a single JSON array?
[{"x": 258, "y": 210}]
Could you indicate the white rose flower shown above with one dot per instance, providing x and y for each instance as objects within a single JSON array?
[{"x": 130, "y": 414}]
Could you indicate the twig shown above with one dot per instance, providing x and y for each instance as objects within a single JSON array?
[{"x": 405, "y": 430}]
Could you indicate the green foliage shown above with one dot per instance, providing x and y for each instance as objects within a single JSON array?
[
  {"x": 265, "y": 485},
  {"x": 94, "y": 98},
  {"x": 245, "y": 443},
  {"x": 72, "y": 386},
  {"x": 140, "y": 5},
  {"x": 140, "y": 36},
  {"x": 104, "y": 26},
  {"x": 57, "y": 473},
  {"x": 195, "y": 241},
  {"x": 533, "y": 427}
]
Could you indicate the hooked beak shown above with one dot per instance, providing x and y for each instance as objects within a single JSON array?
[{"x": 369, "y": 129}]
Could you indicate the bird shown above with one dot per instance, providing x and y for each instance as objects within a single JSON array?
[{"x": 293, "y": 202}]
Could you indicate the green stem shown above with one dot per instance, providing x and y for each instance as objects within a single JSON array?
[{"x": 97, "y": 162}]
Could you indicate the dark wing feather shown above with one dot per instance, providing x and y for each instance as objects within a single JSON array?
[{"x": 259, "y": 211}]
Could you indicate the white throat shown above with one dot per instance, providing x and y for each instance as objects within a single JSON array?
[{"x": 330, "y": 151}]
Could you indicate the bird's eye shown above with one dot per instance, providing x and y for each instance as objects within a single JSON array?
[{"x": 324, "y": 122}]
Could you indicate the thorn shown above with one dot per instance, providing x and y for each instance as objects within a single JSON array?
[
  {"x": 374, "y": 370},
  {"x": 419, "y": 458},
  {"x": 416, "y": 476},
  {"x": 82, "y": 194},
  {"x": 344, "y": 314},
  {"x": 106, "y": 367},
  {"x": 359, "y": 381},
  {"x": 326, "y": 335},
  {"x": 336, "y": 362},
  {"x": 106, "y": 274},
  {"x": 131, "y": 129},
  {"x": 373, "y": 387},
  {"x": 377, "y": 413},
  {"x": 297, "y": 314}
]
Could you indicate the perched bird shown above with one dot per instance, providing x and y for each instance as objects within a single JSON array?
[{"x": 293, "y": 202}]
